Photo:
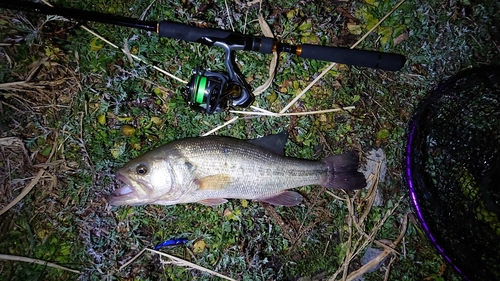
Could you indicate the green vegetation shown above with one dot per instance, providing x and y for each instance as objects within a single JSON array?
[{"x": 82, "y": 109}]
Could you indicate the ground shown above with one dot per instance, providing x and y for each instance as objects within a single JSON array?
[{"x": 73, "y": 109}]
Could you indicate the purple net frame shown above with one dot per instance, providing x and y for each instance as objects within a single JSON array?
[{"x": 414, "y": 201}]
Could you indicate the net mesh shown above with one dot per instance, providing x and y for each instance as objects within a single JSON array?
[{"x": 453, "y": 170}]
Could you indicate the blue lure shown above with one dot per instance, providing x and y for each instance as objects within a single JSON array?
[{"x": 172, "y": 242}]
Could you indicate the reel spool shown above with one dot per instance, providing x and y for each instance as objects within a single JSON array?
[
  {"x": 213, "y": 92},
  {"x": 205, "y": 91}
]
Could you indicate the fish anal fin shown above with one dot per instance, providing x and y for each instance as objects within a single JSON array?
[
  {"x": 212, "y": 201},
  {"x": 285, "y": 198},
  {"x": 214, "y": 182}
]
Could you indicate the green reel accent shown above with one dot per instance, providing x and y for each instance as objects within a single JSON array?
[{"x": 201, "y": 85}]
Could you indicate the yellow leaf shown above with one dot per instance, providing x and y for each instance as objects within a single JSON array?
[
  {"x": 370, "y": 20},
  {"x": 157, "y": 91},
  {"x": 125, "y": 119},
  {"x": 354, "y": 28},
  {"x": 244, "y": 203},
  {"x": 117, "y": 150},
  {"x": 227, "y": 213},
  {"x": 94, "y": 46},
  {"x": 385, "y": 33},
  {"x": 265, "y": 27},
  {"x": 156, "y": 120},
  {"x": 199, "y": 247},
  {"x": 136, "y": 146},
  {"x": 101, "y": 119},
  {"x": 371, "y": 2},
  {"x": 128, "y": 130},
  {"x": 48, "y": 52},
  {"x": 305, "y": 26}
]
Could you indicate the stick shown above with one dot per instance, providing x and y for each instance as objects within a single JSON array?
[
  {"x": 176, "y": 261},
  {"x": 220, "y": 127},
  {"x": 37, "y": 261},
  {"x": 272, "y": 114}
]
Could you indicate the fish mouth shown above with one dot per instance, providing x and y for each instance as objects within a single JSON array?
[{"x": 123, "y": 194}]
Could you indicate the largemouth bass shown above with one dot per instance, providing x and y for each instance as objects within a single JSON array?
[{"x": 209, "y": 170}]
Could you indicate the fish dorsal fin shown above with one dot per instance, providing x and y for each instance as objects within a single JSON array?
[
  {"x": 285, "y": 198},
  {"x": 272, "y": 143},
  {"x": 214, "y": 182},
  {"x": 212, "y": 201}
]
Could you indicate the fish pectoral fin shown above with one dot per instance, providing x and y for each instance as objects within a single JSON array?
[
  {"x": 285, "y": 198},
  {"x": 212, "y": 201},
  {"x": 214, "y": 182}
]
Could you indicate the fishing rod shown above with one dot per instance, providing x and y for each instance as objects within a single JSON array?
[{"x": 215, "y": 91}]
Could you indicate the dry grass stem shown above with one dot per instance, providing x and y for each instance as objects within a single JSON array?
[
  {"x": 220, "y": 127},
  {"x": 358, "y": 239},
  {"x": 272, "y": 114},
  {"x": 37, "y": 261},
  {"x": 25, "y": 191},
  {"x": 274, "y": 61},
  {"x": 177, "y": 262},
  {"x": 365, "y": 268},
  {"x": 125, "y": 51},
  {"x": 34, "y": 181}
]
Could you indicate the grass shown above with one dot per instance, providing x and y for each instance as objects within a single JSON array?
[{"x": 79, "y": 94}]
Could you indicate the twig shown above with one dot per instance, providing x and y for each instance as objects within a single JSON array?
[
  {"x": 10, "y": 84},
  {"x": 229, "y": 15},
  {"x": 25, "y": 191},
  {"x": 274, "y": 61},
  {"x": 147, "y": 10},
  {"x": 176, "y": 261},
  {"x": 272, "y": 114},
  {"x": 37, "y": 261},
  {"x": 384, "y": 253},
  {"x": 220, "y": 127},
  {"x": 132, "y": 259}
]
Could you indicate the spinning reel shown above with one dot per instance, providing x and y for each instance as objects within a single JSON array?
[
  {"x": 211, "y": 91},
  {"x": 214, "y": 91}
]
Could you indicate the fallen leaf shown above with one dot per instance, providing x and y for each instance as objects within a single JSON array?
[{"x": 199, "y": 246}]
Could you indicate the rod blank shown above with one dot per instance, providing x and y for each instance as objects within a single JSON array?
[{"x": 371, "y": 59}]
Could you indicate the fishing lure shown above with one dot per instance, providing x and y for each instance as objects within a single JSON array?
[{"x": 172, "y": 242}]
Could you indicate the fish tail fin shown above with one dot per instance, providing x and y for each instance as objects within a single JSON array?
[{"x": 343, "y": 172}]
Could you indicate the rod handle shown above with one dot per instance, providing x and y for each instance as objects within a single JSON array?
[
  {"x": 371, "y": 59},
  {"x": 188, "y": 33}
]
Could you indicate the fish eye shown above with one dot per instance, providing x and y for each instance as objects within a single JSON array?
[{"x": 141, "y": 169}]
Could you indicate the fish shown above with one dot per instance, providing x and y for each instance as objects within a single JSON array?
[{"x": 210, "y": 170}]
